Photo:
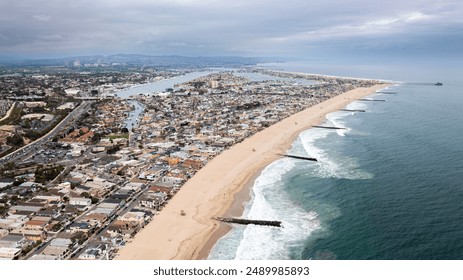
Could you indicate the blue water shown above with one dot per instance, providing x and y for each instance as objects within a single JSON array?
[
  {"x": 259, "y": 77},
  {"x": 133, "y": 118},
  {"x": 390, "y": 187},
  {"x": 161, "y": 85}
]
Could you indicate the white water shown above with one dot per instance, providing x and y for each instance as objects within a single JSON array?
[
  {"x": 269, "y": 202},
  {"x": 330, "y": 163}
]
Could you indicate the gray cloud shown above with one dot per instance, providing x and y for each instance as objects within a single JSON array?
[
  {"x": 218, "y": 27},
  {"x": 42, "y": 17}
]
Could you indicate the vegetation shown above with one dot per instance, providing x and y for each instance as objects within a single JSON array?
[
  {"x": 30, "y": 247},
  {"x": 15, "y": 140},
  {"x": 113, "y": 150},
  {"x": 14, "y": 118},
  {"x": 9, "y": 166},
  {"x": 35, "y": 134},
  {"x": 45, "y": 174},
  {"x": 57, "y": 227},
  {"x": 116, "y": 136},
  {"x": 96, "y": 137},
  {"x": 3, "y": 210},
  {"x": 19, "y": 181},
  {"x": 79, "y": 237}
]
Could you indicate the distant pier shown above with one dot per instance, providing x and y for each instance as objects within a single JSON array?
[
  {"x": 350, "y": 110},
  {"x": 299, "y": 157},
  {"x": 328, "y": 127},
  {"x": 368, "y": 99},
  {"x": 249, "y": 222}
]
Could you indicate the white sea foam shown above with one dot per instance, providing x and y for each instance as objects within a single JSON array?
[
  {"x": 271, "y": 202},
  {"x": 357, "y": 106},
  {"x": 329, "y": 163},
  {"x": 337, "y": 119}
]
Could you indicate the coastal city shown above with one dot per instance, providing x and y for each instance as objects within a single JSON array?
[
  {"x": 231, "y": 139},
  {"x": 90, "y": 153}
]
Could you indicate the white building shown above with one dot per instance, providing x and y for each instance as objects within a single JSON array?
[
  {"x": 153, "y": 200},
  {"x": 72, "y": 91},
  {"x": 80, "y": 201},
  {"x": 9, "y": 253},
  {"x": 172, "y": 181}
]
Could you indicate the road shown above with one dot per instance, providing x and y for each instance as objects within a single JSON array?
[
  {"x": 134, "y": 201},
  {"x": 33, "y": 147},
  {"x": 8, "y": 113}
]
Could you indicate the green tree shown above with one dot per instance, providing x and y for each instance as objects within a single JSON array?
[
  {"x": 15, "y": 140},
  {"x": 56, "y": 227},
  {"x": 19, "y": 181},
  {"x": 9, "y": 166},
  {"x": 3, "y": 210}
]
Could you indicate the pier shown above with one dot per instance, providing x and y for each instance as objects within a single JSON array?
[
  {"x": 299, "y": 157},
  {"x": 349, "y": 110},
  {"x": 249, "y": 222},
  {"x": 367, "y": 99},
  {"x": 328, "y": 127}
]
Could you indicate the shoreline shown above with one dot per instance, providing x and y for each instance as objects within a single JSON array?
[
  {"x": 240, "y": 198},
  {"x": 211, "y": 192}
]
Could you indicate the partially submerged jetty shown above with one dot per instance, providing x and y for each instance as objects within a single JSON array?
[
  {"x": 351, "y": 110},
  {"x": 386, "y": 92},
  {"x": 299, "y": 157},
  {"x": 369, "y": 99},
  {"x": 328, "y": 127},
  {"x": 249, "y": 222}
]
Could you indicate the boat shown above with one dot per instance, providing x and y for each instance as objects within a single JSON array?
[{"x": 439, "y": 84}]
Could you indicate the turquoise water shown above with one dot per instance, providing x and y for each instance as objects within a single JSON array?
[{"x": 390, "y": 187}]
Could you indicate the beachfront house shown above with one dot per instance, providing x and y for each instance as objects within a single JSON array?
[{"x": 153, "y": 200}]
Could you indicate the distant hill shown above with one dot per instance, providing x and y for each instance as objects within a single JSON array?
[{"x": 173, "y": 61}]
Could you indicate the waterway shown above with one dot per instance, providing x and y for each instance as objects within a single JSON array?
[
  {"x": 133, "y": 119},
  {"x": 161, "y": 85}
]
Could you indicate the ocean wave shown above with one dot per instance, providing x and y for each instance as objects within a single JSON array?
[
  {"x": 357, "y": 106},
  {"x": 270, "y": 199},
  {"x": 336, "y": 119},
  {"x": 329, "y": 163},
  {"x": 271, "y": 202}
]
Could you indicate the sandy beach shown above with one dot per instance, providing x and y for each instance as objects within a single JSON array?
[{"x": 211, "y": 192}]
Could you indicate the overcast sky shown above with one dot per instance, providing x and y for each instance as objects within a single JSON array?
[{"x": 297, "y": 28}]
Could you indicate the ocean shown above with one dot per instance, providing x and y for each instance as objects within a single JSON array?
[{"x": 388, "y": 187}]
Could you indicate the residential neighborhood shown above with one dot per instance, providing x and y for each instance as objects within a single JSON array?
[{"x": 104, "y": 176}]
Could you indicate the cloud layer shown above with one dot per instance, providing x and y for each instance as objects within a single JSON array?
[{"x": 238, "y": 27}]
